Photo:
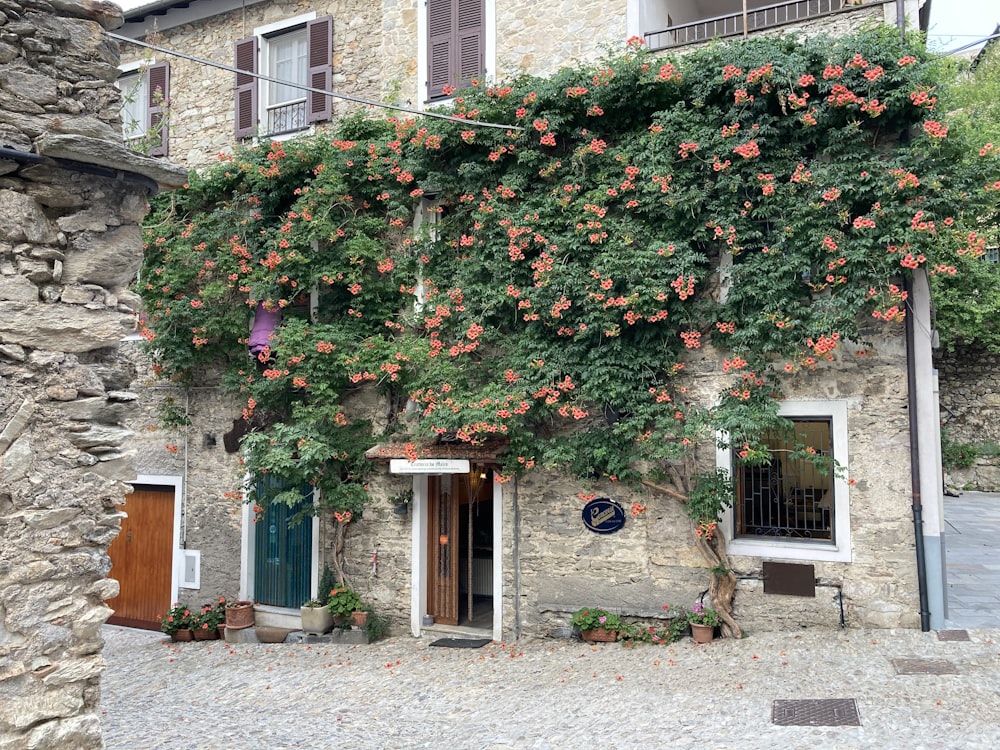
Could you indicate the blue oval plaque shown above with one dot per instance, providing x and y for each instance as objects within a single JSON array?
[{"x": 603, "y": 515}]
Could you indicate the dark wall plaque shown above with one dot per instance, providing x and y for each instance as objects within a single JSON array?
[
  {"x": 603, "y": 515},
  {"x": 793, "y": 579}
]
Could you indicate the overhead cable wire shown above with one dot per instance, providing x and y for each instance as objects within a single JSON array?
[
  {"x": 311, "y": 89},
  {"x": 964, "y": 47}
]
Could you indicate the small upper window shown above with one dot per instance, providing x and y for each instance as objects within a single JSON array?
[
  {"x": 296, "y": 56},
  {"x": 144, "y": 107}
]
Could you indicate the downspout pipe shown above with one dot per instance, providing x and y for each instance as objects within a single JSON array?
[{"x": 917, "y": 503}]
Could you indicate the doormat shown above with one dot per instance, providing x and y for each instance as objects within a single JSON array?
[{"x": 461, "y": 642}]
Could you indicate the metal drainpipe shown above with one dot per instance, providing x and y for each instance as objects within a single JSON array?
[
  {"x": 918, "y": 520},
  {"x": 184, "y": 479},
  {"x": 516, "y": 554}
]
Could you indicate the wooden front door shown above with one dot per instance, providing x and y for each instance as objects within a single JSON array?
[
  {"x": 443, "y": 548},
  {"x": 142, "y": 558}
]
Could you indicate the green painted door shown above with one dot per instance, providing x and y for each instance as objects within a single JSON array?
[{"x": 283, "y": 560}]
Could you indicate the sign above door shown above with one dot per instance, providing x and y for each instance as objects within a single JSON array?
[{"x": 429, "y": 466}]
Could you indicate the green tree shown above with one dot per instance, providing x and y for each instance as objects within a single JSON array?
[{"x": 967, "y": 303}]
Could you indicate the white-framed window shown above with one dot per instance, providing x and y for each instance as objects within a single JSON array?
[
  {"x": 792, "y": 507},
  {"x": 145, "y": 94},
  {"x": 297, "y": 53}
]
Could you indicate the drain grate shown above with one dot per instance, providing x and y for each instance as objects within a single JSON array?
[
  {"x": 953, "y": 635},
  {"x": 924, "y": 666},
  {"x": 821, "y": 712}
]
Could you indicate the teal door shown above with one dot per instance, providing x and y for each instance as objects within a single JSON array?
[{"x": 283, "y": 559}]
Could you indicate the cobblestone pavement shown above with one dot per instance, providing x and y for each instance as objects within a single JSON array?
[{"x": 402, "y": 693}]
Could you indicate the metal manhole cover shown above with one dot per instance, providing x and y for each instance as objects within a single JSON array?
[
  {"x": 953, "y": 635},
  {"x": 821, "y": 712},
  {"x": 924, "y": 666}
]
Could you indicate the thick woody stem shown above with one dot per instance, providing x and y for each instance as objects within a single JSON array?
[{"x": 722, "y": 587}]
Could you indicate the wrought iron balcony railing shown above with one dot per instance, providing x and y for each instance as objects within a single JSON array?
[{"x": 757, "y": 19}]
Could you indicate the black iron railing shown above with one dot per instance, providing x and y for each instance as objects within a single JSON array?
[
  {"x": 757, "y": 19},
  {"x": 286, "y": 118}
]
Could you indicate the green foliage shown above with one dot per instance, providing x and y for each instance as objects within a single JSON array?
[
  {"x": 575, "y": 264},
  {"x": 594, "y": 618},
  {"x": 179, "y": 617},
  {"x": 956, "y": 455},
  {"x": 711, "y": 493},
  {"x": 376, "y": 626},
  {"x": 343, "y": 601},
  {"x": 702, "y": 615},
  {"x": 967, "y": 302}
]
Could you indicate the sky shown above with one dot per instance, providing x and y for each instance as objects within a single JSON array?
[{"x": 954, "y": 23}]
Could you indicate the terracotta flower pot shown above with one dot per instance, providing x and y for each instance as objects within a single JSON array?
[
  {"x": 181, "y": 635},
  {"x": 599, "y": 635},
  {"x": 206, "y": 634},
  {"x": 702, "y": 633},
  {"x": 239, "y": 615},
  {"x": 359, "y": 618}
]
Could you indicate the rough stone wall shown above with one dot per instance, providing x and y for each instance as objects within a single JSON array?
[
  {"x": 969, "y": 387},
  {"x": 201, "y": 108},
  {"x": 560, "y": 566},
  {"x": 69, "y": 243},
  {"x": 652, "y": 561},
  {"x": 194, "y": 455}
]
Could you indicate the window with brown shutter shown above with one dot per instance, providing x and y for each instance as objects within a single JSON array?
[
  {"x": 300, "y": 54},
  {"x": 158, "y": 92},
  {"x": 320, "y": 33},
  {"x": 456, "y": 44},
  {"x": 246, "y": 87}
]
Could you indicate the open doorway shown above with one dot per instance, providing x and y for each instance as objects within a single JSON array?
[{"x": 460, "y": 549}]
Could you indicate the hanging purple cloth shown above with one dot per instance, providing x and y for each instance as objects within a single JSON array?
[{"x": 265, "y": 323}]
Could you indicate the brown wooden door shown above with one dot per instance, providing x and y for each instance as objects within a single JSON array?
[
  {"x": 141, "y": 559},
  {"x": 443, "y": 548}
]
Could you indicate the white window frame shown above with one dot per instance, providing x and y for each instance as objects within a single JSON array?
[
  {"x": 785, "y": 548},
  {"x": 423, "y": 63},
  {"x": 135, "y": 70},
  {"x": 264, "y": 34}
]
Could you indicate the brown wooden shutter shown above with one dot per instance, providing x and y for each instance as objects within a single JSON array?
[
  {"x": 441, "y": 42},
  {"x": 320, "y": 36},
  {"x": 471, "y": 40},
  {"x": 158, "y": 96},
  {"x": 246, "y": 87}
]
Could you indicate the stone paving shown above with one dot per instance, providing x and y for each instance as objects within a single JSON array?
[
  {"x": 912, "y": 690},
  {"x": 972, "y": 542},
  {"x": 551, "y": 694}
]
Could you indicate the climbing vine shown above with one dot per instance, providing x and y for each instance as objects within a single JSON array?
[{"x": 760, "y": 199}]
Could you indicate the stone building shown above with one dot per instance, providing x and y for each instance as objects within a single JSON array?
[
  {"x": 528, "y": 559},
  {"x": 71, "y": 199}
]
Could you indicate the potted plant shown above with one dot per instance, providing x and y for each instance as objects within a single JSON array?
[
  {"x": 316, "y": 617},
  {"x": 343, "y": 601},
  {"x": 597, "y": 625},
  {"x": 703, "y": 621},
  {"x": 400, "y": 502},
  {"x": 177, "y": 623},
  {"x": 205, "y": 624},
  {"x": 359, "y": 617},
  {"x": 239, "y": 614}
]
